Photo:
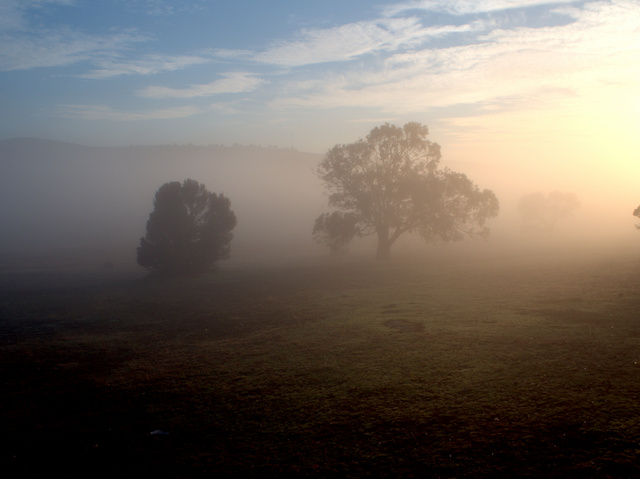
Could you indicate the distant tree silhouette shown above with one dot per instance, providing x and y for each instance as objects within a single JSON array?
[
  {"x": 636, "y": 213},
  {"x": 188, "y": 230},
  {"x": 389, "y": 184},
  {"x": 541, "y": 213},
  {"x": 336, "y": 230}
]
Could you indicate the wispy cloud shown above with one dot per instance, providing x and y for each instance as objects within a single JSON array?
[
  {"x": 352, "y": 40},
  {"x": 161, "y": 8},
  {"x": 58, "y": 48},
  {"x": 25, "y": 44},
  {"x": 228, "y": 108},
  {"x": 13, "y": 13},
  {"x": 465, "y": 7},
  {"x": 231, "y": 54},
  {"x": 150, "y": 7},
  {"x": 481, "y": 57},
  {"x": 533, "y": 65},
  {"x": 232, "y": 82},
  {"x": 147, "y": 66},
  {"x": 103, "y": 112}
]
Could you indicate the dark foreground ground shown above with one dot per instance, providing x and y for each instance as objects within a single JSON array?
[{"x": 486, "y": 367}]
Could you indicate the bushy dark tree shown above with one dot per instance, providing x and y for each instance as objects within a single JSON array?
[
  {"x": 188, "y": 230},
  {"x": 389, "y": 184},
  {"x": 540, "y": 213}
]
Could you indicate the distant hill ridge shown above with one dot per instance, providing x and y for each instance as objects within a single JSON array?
[{"x": 23, "y": 145}]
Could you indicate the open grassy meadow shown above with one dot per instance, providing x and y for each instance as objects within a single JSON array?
[{"x": 494, "y": 366}]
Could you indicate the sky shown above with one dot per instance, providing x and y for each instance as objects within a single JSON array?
[{"x": 544, "y": 90}]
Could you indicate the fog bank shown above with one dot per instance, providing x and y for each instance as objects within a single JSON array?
[{"x": 65, "y": 205}]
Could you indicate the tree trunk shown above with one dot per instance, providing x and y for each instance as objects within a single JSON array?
[{"x": 384, "y": 245}]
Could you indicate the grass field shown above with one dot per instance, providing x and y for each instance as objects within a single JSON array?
[{"x": 500, "y": 366}]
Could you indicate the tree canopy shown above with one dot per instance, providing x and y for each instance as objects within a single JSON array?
[
  {"x": 336, "y": 229},
  {"x": 188, "y": 230},
  {"x": 540, "y": 213},
  {"x": 389, "y": 184}
]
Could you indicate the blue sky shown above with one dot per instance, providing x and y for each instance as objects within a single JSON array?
[{"x": 311, "y": 74}]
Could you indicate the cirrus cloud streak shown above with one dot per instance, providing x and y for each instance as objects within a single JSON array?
[
  {"x": 598, "y": 46},
  {"x": 232, "y": 82}
]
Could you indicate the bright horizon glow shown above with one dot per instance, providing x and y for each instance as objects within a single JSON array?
[{"x": 547, "y": 91}]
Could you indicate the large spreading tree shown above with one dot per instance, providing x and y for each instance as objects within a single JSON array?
[
  {"x": 389, "y": 184},
  {"x": 188, "y": 230}
]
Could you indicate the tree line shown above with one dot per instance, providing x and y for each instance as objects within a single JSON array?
[{"x": 387, "y": 185}]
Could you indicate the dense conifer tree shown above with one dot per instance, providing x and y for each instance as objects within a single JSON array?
[{"x": 188, "y": 230}]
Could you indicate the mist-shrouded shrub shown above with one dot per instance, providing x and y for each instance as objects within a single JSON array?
[
  {"x": 188, "y": 230},
  {"x": 541, "y": 214}
]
